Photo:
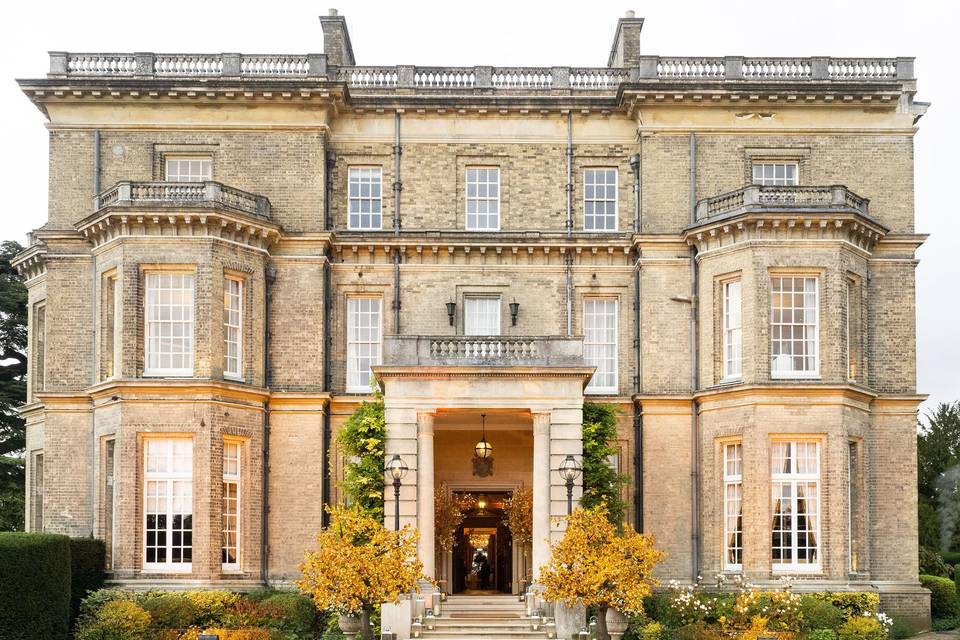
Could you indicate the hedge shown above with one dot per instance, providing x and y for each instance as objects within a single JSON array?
[
  {"x": 944, "y": 602},
  {"x": 88, "y": 556},
  {"x": 35, "y": 590}
]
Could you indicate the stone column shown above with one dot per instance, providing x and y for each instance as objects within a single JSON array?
[
  {"x": 541, "y": 492},
  {"x": 425, "y": 493}
]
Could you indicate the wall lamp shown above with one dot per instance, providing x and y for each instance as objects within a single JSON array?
[
  {"x": 514, "y": 311},
  {"x": 451, "y": 311}
]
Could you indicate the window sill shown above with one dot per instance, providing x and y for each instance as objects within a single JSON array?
[
  {"x": 233, "y": 378},
  {"x": 168, "y": 374},
  {"x": 795, "y": 376},
  {"x": 794, "y": 570},
  {"x": 180, "y": 569},
  {"x": 601, "y": 392},
  {"x": 732, "y": 380}
]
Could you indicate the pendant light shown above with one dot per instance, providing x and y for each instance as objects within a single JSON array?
[{"x": 484, "y": 449}]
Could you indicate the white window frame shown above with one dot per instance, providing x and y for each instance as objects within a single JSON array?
[
  {"x": 776, "y": 336},
  {"x": 593, "y": 388},
  {"x": 360, "y": 176},
  {"x": 233, "y": 327},
  {"x": 232, "y": 452},
  {"x": 149, "y": 323},
  {"x": 604, "y": 200},
  {"x": 477, "y": 198},
  {"x": 354, "y": 383},
  {"x": 773, "y": 180},
  {"x": 203, "y": 172},
  {"x": 732, "y": 504},
  {"x": 732, "y": 352},
  {"x": 793, "y": 478},
  {"x": 474, "y": 318},
  {"x": 171, "y": 476}
]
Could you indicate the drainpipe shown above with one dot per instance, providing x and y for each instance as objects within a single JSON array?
[
  {"x": 569, "y": 174},
  {"x": 397, "y": 183},
  {"x": 568, "y": 268},
  {"x": 270, "y": 276},
  {"x": 396, "y": 291},
  {"x": 331, "y": 161},
  {"x": 327, "y": 379},
  {"x": 637, "y": 414},
  {"x": 694, "y": 382}
]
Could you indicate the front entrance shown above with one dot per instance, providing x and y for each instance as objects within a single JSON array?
[{"x": 483, "y": 549}]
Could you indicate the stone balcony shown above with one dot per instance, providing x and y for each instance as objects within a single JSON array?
[
  {"x": 178, "y": 195},
  {"x": 483, "y": 351},
  {"x": 755, "y": 198}
]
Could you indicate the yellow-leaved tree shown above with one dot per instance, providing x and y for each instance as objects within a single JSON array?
[
  {"x": 598, "y": 567},
  {"x": 360, "y": 564}
]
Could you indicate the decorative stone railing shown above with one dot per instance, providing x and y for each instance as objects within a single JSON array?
[
  {"x": 483, "y": 350},
  {"x": 772, "y": 199},
  {"x": 597, "y": 79},
  {"x": 179, "y": 194}
]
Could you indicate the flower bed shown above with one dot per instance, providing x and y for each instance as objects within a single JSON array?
[
  {"x": 113, "y": 614},
  {"x": 746, "y": 612}
]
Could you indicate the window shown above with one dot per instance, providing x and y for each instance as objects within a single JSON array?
[
  {"x": 733, "y": 507},
  {"x": 794, "y": 327},
  {"x": 39, "y": 346},
  {"x": 233, "y": 328},
  {"x": 36, "y": 492},
  {"x": 363, "y": 341},
  {"x": 111, "y": 322},
  {"x": 483, "y": 199},
  {"x": 168, "y": 504},
  {"x": 854, "y": 507},
  {"x": 230, "y": 551},
  {"x": 776, "y": 174},
  {"x": 795, "y": 483},
  {"x": 365, "y": 202},
  {"x": 854, "y": 329},
  {"x": 600, "y": 199},
  {"x": 189, "y": 168},
  {"x": 600, "y": 343},
  {"x": 169, "y": 324},
  {"x": 109, "y": 476},
  {"x": 732, "y": 331},
  {"x": 481, "y": 316}
]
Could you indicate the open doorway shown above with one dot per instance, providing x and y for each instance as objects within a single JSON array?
[{"x": 483, "y": 548}]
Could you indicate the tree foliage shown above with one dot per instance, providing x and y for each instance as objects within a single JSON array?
[
  {"x": 13, "y": 388},
  {"x": 362, "y": 442},
  {"x": 601, "y": 482},
  {"x": 359, "y": 564},
  {"x": 596, "y": 566},
  {"x": 938, "y": 476}
]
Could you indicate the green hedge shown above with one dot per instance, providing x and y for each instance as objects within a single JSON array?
[
  {"x": 944, "y": 602},
  {"x": 951, "y": 557},
  {"x": 88, "y": 556},
  {"x": 35, "y": 589}
]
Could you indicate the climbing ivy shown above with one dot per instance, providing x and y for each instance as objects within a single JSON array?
[
  {"x": 362, "y": 442},
  {"x": 601, "y": 482}
]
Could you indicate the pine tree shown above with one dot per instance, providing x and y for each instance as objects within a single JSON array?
[{"x": 13, "y": 388}]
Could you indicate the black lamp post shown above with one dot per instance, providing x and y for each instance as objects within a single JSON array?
[
  {"x": 397, "y": 469},
  {"x": 570, "y": 470}
]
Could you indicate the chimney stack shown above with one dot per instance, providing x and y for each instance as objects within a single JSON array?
[
  {"x": 336, "y": 40},
  {"x": 625, "y": 51}
]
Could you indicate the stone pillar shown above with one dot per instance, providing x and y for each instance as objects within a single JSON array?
[
  {"x": 425, "y": 493},
  {"x": 541, "y": 492}
]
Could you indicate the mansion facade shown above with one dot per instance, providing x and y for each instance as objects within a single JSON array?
[{"x": 238, "y": 246}]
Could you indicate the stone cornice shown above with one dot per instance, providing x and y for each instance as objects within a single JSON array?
[
  {"x": 174, "y": 389},
  {"x": 779, "y": 393},
  {"x": 31, "y": 262},
  {"x": 385, "y": 372}
]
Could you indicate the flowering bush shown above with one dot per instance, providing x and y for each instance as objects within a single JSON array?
[
  {"x": 863, "y": 628},
  {"x": 117, "y": 620},
  {"x": 780, "y": 609}
]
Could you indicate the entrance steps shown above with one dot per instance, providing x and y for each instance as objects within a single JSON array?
[{"x": 483, "y": 617}]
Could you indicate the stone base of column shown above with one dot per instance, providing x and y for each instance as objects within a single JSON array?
[{"x": 397, "y": 618}]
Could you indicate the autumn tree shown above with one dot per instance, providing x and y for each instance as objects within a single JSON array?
[
  {"x": 360, "y": 564},
  {"x": 597, "y": 566},
  {"x": 518, "y": 512}
]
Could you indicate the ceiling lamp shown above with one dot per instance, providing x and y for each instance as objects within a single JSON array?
[{"x": 484, "y": 449}]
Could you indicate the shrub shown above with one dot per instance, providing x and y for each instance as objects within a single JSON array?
[
  {"x": 852, "y": 603},
  {"x": 822, "y": 634},
  {"x": 246, "y": 613},
  {"x": 951, "y": 557},
  {"x": 298, "y": 614},
  {"x": 651, "y": 631},
  {"x": 211, "y": 605},
  {"x": 900, "y": 629},
  {"x": 943, "y": 596},
  {"x": 35, "y": 590},
  {"x": 817, "y": 614},
  {"x": 88, "y": 556},
  {"x": 781, "y": 609},
  {"x": 117, "y": 620},
  {"x": 932, "y": 563},
  {"x": 862, "y": 628},
  {"x": 230, "y": 634},
  {"x": 697, "y": 631},
  {"x": 171, "y": 611},
  {"x": 656, "y": 606}
]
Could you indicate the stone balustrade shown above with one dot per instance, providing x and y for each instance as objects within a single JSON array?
[
  {"x": 179, "y": 194},
  {"x": 506, "y": 79},
  {"x": 772, "y": 199},
  {"x": 483, "y": 351}
]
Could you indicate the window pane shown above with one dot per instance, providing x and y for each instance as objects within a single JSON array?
[
  {"x": 168, "y": 501},
  {"x": 363, "y": 341},
  {"x": 482, "y": 316},
  {"x": 169, "y": 312},
  {"x": 600, "y": 200},
  {"x": 794, "y": 324},
  {"x": 482, "y": 198},
  {"x": 188, "y": 169},
  {"x": 364, "y": 196},
  {"x": 600, "y": 343}
]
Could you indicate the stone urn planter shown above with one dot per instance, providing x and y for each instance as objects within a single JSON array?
[
  {"x": 350, "y": 625},
  {"x": 616, "y": 623}
]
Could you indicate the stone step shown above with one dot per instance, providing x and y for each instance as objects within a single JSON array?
[
  {"x": 482, "y": 623},
  {"x": 483, "y": 635}
]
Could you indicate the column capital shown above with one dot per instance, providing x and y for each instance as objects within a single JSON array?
[
  {"x": 425, "y": 422},
  {"x": 541, "y": 423}
]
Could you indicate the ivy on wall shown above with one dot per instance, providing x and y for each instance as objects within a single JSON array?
[
  {"x": 362, "y": 443},
  {"x": 601, "y": 481}
]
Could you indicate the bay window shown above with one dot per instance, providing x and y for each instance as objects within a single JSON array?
[
  {"x": 794, "y": 327},
  {"x": 169, "y": 324},
  {"x": 233, "y": 328},
  {"x": 168, "y": 504},
  {"x": 732, "y": 331},
  {"x": 795, "y": 505}
]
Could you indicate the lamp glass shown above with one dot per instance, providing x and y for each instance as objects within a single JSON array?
[
  {"x": 570, "y": 469},
  {"x": 397, "y": 467},
  {"x": 483, "y": 449}
]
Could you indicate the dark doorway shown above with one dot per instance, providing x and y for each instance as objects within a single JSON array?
[{"x": 483, "y": 548}]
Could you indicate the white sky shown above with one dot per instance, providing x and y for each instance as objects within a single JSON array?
[{"x": 520, "y": 32}]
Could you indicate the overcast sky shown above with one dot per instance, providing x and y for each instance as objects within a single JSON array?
[{"x": 524, "y": 32}]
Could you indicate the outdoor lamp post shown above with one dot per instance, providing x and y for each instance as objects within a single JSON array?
[
  {"x": 397, "y": 469},
  {"x": 570, "y": 470}
]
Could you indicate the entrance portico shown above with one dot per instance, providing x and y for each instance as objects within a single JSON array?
[{"x": 437, "y": 386}]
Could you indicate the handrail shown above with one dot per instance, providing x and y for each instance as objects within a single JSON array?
[{"x": 180, "y": 194}]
